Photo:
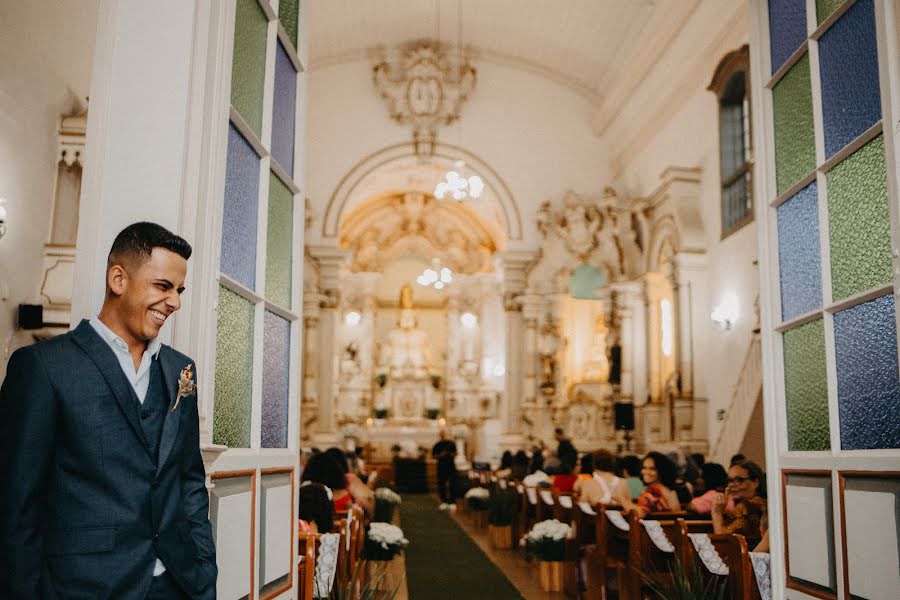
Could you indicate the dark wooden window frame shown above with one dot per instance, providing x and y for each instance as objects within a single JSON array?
[{"x": 736, "y": 61}]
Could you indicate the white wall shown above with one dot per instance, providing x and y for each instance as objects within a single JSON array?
[
  {"x": 47, "y": 49},
  {"x": 534, "y": 133},
  {"x": 689, "y": 138}
]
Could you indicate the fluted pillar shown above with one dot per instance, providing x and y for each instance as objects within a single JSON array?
[{"x": 515, "y": 265}]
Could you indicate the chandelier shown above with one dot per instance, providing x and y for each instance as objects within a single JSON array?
[
  {"x": 457, "y": 185},
  {"x": 435, "y": 276}
]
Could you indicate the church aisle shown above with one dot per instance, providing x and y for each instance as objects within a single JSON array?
[{"x": 442, "y": 562}]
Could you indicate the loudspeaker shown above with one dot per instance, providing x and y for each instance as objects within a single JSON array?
[
  {"x": 31, "y": 316},
  {"x": 624, "y": 416},
  {"x": 615, "y": 365}
]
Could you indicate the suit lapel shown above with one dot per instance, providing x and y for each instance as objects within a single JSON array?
[
  {"x": 102, "y": 356},
  {"x": 171, "y": 370}
]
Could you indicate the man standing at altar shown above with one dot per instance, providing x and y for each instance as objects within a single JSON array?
[
  {"x": 104, "y": 492},
  {"x": 444, "y": 453}
]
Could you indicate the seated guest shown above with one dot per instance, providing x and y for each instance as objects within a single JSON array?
[
  {"x": 321, "y": 468},
  {"x": 316, "y": 508},
  {"x": 565, "y": 479},
  {"x": 747, "y": 487},
  {"x": 629, "y": 469},
  {"x": 658, "y": 473},
  {"x": 519, "y": 465},
  {"x": 586, "y": 466},
  {"x": 602, "y": 486},
  {"x": 361, "y": 493},
  {"x": 736, "y": 459},
  {"x": 505, "y": 469},
  {"x": 682, "y": 487},
  {"x": 537, "y": 461},
  {"x": 715, "y": 480}
]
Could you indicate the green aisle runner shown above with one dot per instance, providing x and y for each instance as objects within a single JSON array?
[{"x": 442, "y": 561}]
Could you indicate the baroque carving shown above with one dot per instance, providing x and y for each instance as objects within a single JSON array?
[
  {"x": 599, "y": 232},
  {"x": 383, "y": 230},
  {"x": 422, "y": 87}
]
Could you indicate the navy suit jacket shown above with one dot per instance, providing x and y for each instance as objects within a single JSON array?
[{"x": 85, "y": 509}]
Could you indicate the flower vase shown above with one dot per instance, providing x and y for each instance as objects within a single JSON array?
[
  {"x": 551, "y": 575},
  {"x": 501, "y": 536},
  {"x": 384, "y": 512}
]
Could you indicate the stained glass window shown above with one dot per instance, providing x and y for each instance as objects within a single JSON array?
[
  {"x": 848, "y": 62},
  {"x": 234, "y": 370},
  {"x": 238, "y": 256},
  {"x": 284, "y": 110},
  {"x": 787, "y": 29},
  {"x": 795, "y": 145},
  {"x": 798, "y": 254},
  {"x": 288, "y": 11},
  {"x": 865, "y": 344},
  {"x": 279, "y": 242},
  {"x": 248, "y": 67},
  {"x": 806, "y": 387},
  {"x": 276, "y": 379}
]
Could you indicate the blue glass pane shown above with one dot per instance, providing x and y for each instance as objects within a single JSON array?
[
  {"x": 239, "y": 214},
  {"x": 798, "y": 254},
  {"x": 276, "y": 378},
  {"x": 284, "y": 111},
  {"x": 865, "y": 344},
  {"x": 848, "y": 61},
  {"x": 787, "y": 29}
]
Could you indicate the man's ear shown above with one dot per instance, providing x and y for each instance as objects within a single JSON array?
[{"x": 117, "y": 279}]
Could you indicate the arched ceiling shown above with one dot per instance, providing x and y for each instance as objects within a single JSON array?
[{"x": 583, "y": 44}]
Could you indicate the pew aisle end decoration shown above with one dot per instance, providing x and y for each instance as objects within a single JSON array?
[
  {"x": 384, "y": 541},
  {"x": 547, "y": 541},
  {"x": 686, "y": 582},
  {"x": 386, "y": 501},
  {"x": 477, "y": 501},
  {"x": 501, "y": 512}
]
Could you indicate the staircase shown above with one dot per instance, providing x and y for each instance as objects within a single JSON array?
[{"x": 747, "y": 392}]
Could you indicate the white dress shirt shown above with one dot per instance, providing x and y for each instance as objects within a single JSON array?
[{"x": 139, "y": 380}]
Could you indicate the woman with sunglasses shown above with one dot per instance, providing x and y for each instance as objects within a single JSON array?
[{"x": 747, "y": 488}]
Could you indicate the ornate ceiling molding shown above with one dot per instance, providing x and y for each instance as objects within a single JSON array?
[
  {"x": 425, "y": 88},
  {"x": 357, "y": 186},
  {"x": 387, "y": 228}
]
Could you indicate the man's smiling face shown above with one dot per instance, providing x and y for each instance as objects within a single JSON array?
[{"x": 151, "y": 293}]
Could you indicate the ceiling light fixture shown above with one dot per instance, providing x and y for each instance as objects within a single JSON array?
[
  {"x": 459, "y": 187},
  {"x": 435, "y": 276}
]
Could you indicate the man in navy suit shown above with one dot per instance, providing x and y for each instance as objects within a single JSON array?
[{"x": 103, "y": 488}]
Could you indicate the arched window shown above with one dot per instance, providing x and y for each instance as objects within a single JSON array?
[{"x": 730, "y": 83}]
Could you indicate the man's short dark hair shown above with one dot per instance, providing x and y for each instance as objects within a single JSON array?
[
  {"x": 558, "y": 431},
  {"x": 135, "y": 243}
]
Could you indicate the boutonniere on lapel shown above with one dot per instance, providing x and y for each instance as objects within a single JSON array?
[{"x": 186, "y": 385}]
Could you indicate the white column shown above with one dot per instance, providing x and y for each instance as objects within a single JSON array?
[
  {"x": 692, "y": 314},
  {"x": 531, "y": 312},
  {"x": 514, "y": 283},
  {"x": 626, "y": 301},
  {"x": 330, "y": 260},
  {"x": 311, "y": 313}
]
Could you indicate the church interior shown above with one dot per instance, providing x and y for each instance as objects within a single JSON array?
[{"x": 620, "y": 226}]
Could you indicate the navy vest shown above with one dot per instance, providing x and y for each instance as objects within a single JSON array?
[{"x": 153, "y": 410}]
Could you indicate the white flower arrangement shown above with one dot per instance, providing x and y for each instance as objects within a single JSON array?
[
  {"x": 549, "y": 529},
  {"x": 387, "y": 495},
  {"x": 479, "y": 493},
  {"x": 547, "y": 540},
  {"x": 387, "y": 537}
]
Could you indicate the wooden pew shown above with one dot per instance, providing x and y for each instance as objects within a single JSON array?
[
  {"x": 733, "y": 550},
  {"x": 611, "y": 553},
  {"x": 306, "y": 565}
]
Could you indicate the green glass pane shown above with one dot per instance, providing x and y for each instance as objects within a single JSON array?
[
  {"x": 859, "y": 222},
  {"x": 234, "y": 371},
  {"x": 806, "y": 387},
  {"x": 248, "y": 66},
  {"x": 824, "y": 8},
  {"x": 288, "y": 10},
  {"x": 795, "y": 145},
  {"x": 279, "y": 242}
]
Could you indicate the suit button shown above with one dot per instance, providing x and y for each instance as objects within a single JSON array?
[
  {"x": 155, "y": 483},
  {"x": 156, "y": 537}
]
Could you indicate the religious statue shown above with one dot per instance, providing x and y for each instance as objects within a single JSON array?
[
  {"x": 578, "y": 226},
  {"x": 597, "y": 366},
  {"x": 404, "y": 354},
  {"x": 549, "y": 343}
]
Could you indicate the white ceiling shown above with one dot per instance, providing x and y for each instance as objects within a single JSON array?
[{"x": 584, "y": 44}]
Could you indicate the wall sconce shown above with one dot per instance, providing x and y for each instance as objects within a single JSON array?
[
  {"x": 726, "y": 313},
  {"x": 468, "y": 320},
  {"x": 352, "y": 318},
  {"x": 2, "y": 217}
]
